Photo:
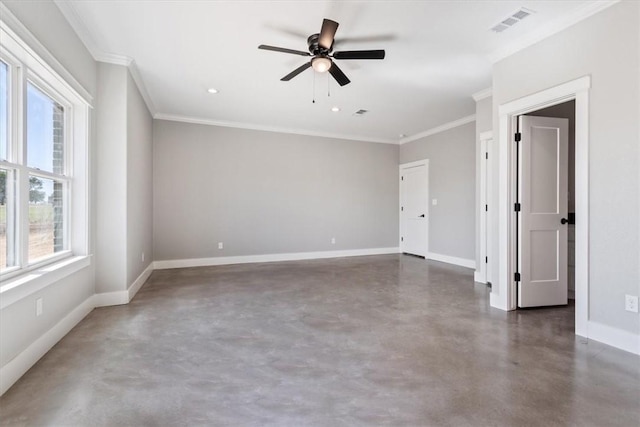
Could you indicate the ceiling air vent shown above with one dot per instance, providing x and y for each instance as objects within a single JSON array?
[
  {"x": 360, "y": 112},
  {"x": 511, "y": 20}
]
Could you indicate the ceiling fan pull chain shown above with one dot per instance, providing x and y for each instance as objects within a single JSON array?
[
  {"x": 328, "y": 86},
  {"x": 314, "y": 89}
]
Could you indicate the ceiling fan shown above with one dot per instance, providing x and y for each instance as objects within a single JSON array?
[{"x": 322, "y": 55}]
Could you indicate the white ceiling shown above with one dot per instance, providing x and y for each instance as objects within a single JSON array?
[{"x": 438, "y": 53}]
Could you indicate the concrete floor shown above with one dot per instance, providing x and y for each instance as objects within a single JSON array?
[{"x": 384, "y": 340}]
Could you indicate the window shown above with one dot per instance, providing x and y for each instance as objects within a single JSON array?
[{"x": 43, "y": 162}]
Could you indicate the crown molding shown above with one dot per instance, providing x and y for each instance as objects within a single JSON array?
[
  {"x": 72, "y": 17},
  {"x": 251, "y": 126},
  {"x": 585, "y": 11},
  {"x": 485, "y": 93},
  {"x": 87, "y": 37},
  {"x": 438, "y": 129}
]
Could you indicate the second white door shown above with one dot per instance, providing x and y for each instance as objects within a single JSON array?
[{"x": 414, "y": 197}]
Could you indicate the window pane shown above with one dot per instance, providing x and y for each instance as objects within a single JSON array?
[
  {"x": 4, "y": 109},
  {"x": 6, "y": 240},
  {"x": 46, "y": 225},
  {"x": 45, "y": 132}
]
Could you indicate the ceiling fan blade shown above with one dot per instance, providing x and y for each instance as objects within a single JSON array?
[
  {"x": 327, "y": 33},
  {"x": 359, "y": 54},
  {"x": 283, "y": 50},
  {"x": 337, "y": 74},
  {"x": 296, "y": 72}
]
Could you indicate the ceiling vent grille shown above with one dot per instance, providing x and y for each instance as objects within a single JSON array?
[
  {"x": 360, "y": 112},
  {"x": 512, "y": 19}
]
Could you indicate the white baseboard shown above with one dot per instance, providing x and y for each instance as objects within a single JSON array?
[
  {"x": 469, "y": 263},
  {"x": 19, "y": 365},
  {"x": 137, "y": 284},
  {"x": 614, "y": 337},
  {"x": 107, "y": 299},
  {"x": 479, "y": 277},
  {"x": 297, "y": 256}
]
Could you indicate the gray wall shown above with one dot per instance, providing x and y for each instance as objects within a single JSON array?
[
  {"x": 606, "y": 47},
  {"x": 125, "y": 209},
  {"x": 452, "y": 171},
  {"x": 111, "y": 172},
  {"x": 268, "y": 193},
  {"x": 139, "y": 183},
  {"x": 19, "y": 327}
]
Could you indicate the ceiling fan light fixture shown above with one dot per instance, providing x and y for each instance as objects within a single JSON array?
[{"x": 321, "y": 64}]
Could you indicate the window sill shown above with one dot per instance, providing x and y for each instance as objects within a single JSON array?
[{"x": 21, "y": 286}]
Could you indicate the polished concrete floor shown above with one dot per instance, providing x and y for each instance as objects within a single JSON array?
[{"x": 370, "y": 341}]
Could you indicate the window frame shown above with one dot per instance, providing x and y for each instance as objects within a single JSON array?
[{"x": 25, "y": 67}]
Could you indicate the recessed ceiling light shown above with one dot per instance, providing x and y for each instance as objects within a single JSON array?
[
  {"x": 335, "y": 109},
  {"x": 212, "y": 90}
]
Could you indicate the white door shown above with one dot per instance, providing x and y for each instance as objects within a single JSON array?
[
  {"x": 414, "y": 196},
  {"x": 542, "y": 231}
]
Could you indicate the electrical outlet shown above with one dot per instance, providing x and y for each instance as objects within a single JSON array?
[
  {"x": 220, "y": 245},
  {"x": 631, "y": 303},
  {"x": 434, "y": 202},
  {"x": 333, "y": 240},
  {"x": 142, "y": 257},
  {"x": 39, "y": 307}
]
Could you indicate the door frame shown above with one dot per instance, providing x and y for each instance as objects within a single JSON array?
[
  {"x": 409, "y": 165},
  {"x": 482, "y": 273},
  {"x": 503, "y": 293}
]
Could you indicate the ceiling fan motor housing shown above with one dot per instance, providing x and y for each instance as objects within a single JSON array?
[{"x": 314, "y": 47}]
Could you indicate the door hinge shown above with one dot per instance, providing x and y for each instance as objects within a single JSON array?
[
  {"x": 486, "y": 156},
  {"x": 486, "y": 260},
  {"x": 518, "y": 136},
  {"x": 402, "y": 178},
  {"x": 516, "y": 277},
  {"x": 402, "y": 239},
  {"x": 486, "y": 208},
  {"x": 517, "y": 207},
  {"x": 402, "y": 208}
]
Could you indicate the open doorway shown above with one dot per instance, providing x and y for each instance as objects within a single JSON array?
[{"x": 503, "y": 292}]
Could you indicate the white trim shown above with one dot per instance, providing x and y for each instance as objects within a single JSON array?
[
  {"x": 463, "y": 262},
  {"x": 137, "y": 284},
  {"x": 19, "y": 365},
  {"x": 35, "y": 280},
  {"x": 438, "y": 129},
  {"x": 86, "y": 37},
  {"x": 503, "y": 291},
  {"x": 68, "y": 11},
  {"x": 250, "y": 259},
  {"x": 107, "y": 299},
  {"x": 486, "y": 139},
  {"x": 250, "y": 126},
  {"x": 485, "y": 93},
  {"x": 15, "y": 28},
  {"x": 581, "y": 13},
  {"x": 137, "y": 78},
  {"x": 614, "y": 337},
  {"x": 477, "y": 277}
]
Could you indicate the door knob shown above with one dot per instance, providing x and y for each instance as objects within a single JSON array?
[
  {"x": 421, "y": 216},
  {"x": 564, "y": 221}
]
